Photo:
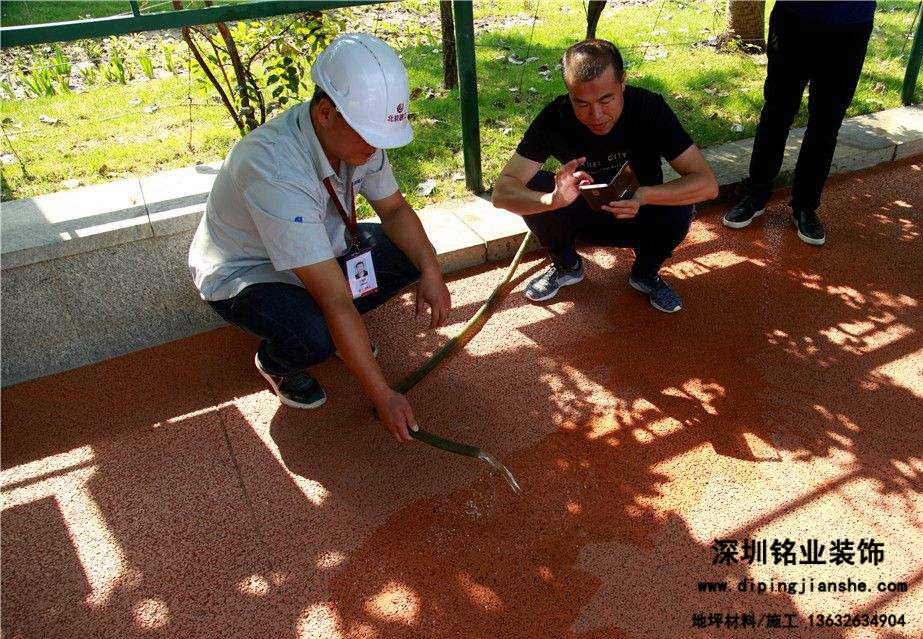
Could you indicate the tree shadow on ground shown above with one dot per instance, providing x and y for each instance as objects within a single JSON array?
[{"x": 795, "y": 367}]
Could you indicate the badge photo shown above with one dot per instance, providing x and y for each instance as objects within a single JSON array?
[{"x": 360, "y": 272}]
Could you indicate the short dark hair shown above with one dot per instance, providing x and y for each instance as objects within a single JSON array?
[{"x": 588, "y": 59}]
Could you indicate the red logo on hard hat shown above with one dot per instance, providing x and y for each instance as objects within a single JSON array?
[{"x": 400, "y": 115}]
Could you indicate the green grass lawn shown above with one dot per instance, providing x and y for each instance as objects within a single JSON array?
[
  {"x": 18, "y": 12},
  {"x": 100, "y": 134},
  {"x": 13, "y": 13}
]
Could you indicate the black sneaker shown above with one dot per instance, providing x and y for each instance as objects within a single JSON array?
[
  {"x": 298, "y": 391},
  {"x": 810, "y": 228},
  {"x": 742, "y": 214}
]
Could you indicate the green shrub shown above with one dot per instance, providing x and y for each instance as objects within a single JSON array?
[
  {"x": 7, "y": 87},
  {"x": 39, "y": 82},
  {"x": 62, "y": 69},
  {"x": 93, "y": 50},
  {"x": 114, "y": 70},
  {"x": 276, "y": 55},
  {"x": 168, "y": 62},
  {"x": 89, "y": 74},
  {"x": 145, "y": 62}
]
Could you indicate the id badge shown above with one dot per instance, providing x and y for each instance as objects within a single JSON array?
[{"x": 360, "y": 271}]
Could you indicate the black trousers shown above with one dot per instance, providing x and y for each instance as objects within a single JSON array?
[
  {"x": 291, "y": 324},
  {"x": 802, "y": 52},
  {"x": 653, "y": 233}
]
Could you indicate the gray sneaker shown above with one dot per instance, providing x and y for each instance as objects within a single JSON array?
[
  {"x": 546, "y": 285},
  {"x": 661, "y": 294}
]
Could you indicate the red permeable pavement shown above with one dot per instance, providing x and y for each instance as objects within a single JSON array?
[{"x": 166, "y": 492}]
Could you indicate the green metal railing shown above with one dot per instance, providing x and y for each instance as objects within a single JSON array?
[
  {"x": 468, "y": 88},
  {"x": 29, "y": 34},
  {"x": 137, "y": 22},
  {"x": 913, "y": 62}
]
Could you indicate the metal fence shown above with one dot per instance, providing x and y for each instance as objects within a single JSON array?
[{"x": 138, "y": 22}]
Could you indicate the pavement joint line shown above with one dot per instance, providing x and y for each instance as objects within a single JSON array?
[
  {"x": 251, "y": 510},
  {"x": 219, "y": 409}
]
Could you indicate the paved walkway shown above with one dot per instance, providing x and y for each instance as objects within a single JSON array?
[{"x": 167, "y": 494}]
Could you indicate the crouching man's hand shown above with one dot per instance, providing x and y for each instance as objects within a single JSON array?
[
  {"x": 626, "y": 209},
  {"x": 567, "y": 183},
  {"x": 393, "y": 410},
  {"x": 432, "y": 292}
]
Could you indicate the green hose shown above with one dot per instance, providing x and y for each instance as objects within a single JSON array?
[
  {"x": 471, "y": 328},
  {"x": 445, "y": 444}
]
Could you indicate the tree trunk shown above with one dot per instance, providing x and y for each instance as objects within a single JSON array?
[
  {"x": 745, "y": 23},
  {"x": 593, "y": 11},
  {"x": 449, "y": 64}
]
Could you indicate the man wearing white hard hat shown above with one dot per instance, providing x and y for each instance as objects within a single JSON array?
[{"x": 278, "y": 250}]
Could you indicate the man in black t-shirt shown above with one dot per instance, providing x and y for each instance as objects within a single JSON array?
[{"x": 592, "y": 131}]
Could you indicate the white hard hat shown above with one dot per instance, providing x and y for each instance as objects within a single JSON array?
[{"x": 368, "y": 84}]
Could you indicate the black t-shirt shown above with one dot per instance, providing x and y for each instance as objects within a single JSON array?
[{"x": 646, "y": 131}]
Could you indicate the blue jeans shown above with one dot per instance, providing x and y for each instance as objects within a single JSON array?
[
  {"x": 653, "y": 233},
  {"x": 290, "y": 322}
]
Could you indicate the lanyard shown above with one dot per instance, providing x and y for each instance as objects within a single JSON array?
[{"x": 348, "y": 220}]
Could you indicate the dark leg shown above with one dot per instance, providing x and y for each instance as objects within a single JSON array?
[
  {"x": 663, "y": 228},
  {"x": 290, "y": 322},
  {"x": 654, "y": 234},
  {"x": 287, "y": 319},
  {"x": 831, "y": 90},
  {"x": 786, "y": 78},
  {"x": 556, "y": 230}
]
